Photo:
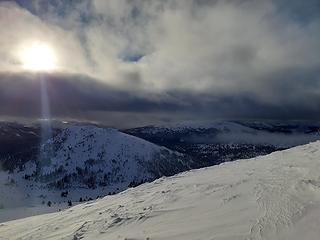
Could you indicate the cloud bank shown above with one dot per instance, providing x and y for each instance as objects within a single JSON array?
[{"x": 209, "y": 59}]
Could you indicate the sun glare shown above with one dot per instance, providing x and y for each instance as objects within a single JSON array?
[{"x": 38, "y": 57}]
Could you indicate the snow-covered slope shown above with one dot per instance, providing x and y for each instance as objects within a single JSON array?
[
  {"x": 271, "y": 197},
  {"x": 108, "y": 157},
  {"x": 86, "y": 162}
]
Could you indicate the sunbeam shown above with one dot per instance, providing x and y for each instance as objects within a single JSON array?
[{"x": 46, "y": 128}]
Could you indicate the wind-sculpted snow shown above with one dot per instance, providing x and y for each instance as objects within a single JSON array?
[{"x": 272, "y": 197}]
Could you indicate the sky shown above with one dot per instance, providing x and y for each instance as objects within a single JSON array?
[{"x": 135, "y": 62}]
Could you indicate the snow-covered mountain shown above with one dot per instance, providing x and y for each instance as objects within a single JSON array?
[
  {"x": 220, "y": 141},
  {"x": 270, "y": 197},
  {"x": 89, "y": 156},
  {"x": 83, "y": 162},
  {"x": 87, "y": 162}
]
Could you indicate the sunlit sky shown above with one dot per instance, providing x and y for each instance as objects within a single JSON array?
[
  {"x": 38, "y": 57},
  {"x": 157, "y": 61}
]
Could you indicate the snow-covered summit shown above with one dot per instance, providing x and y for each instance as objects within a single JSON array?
[
  {"x": 108, "y": 157},
  {"x": 271, "y": 197}
]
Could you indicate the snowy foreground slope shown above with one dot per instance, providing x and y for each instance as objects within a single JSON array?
[{"x": 272, "y": 197}]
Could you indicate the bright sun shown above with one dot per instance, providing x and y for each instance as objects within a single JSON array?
[{"x": 38, "y": 57}]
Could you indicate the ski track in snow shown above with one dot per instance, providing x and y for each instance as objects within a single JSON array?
[{"x": 270, "y": 197}]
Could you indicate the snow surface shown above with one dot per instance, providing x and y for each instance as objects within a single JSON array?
[{"x": 270, "y": 197}]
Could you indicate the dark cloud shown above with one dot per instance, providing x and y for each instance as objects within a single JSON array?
[
  {"x": 299, "y": 11},
  {"x": 20, "y": 95},
  {"x": 81, "y": 97}
]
